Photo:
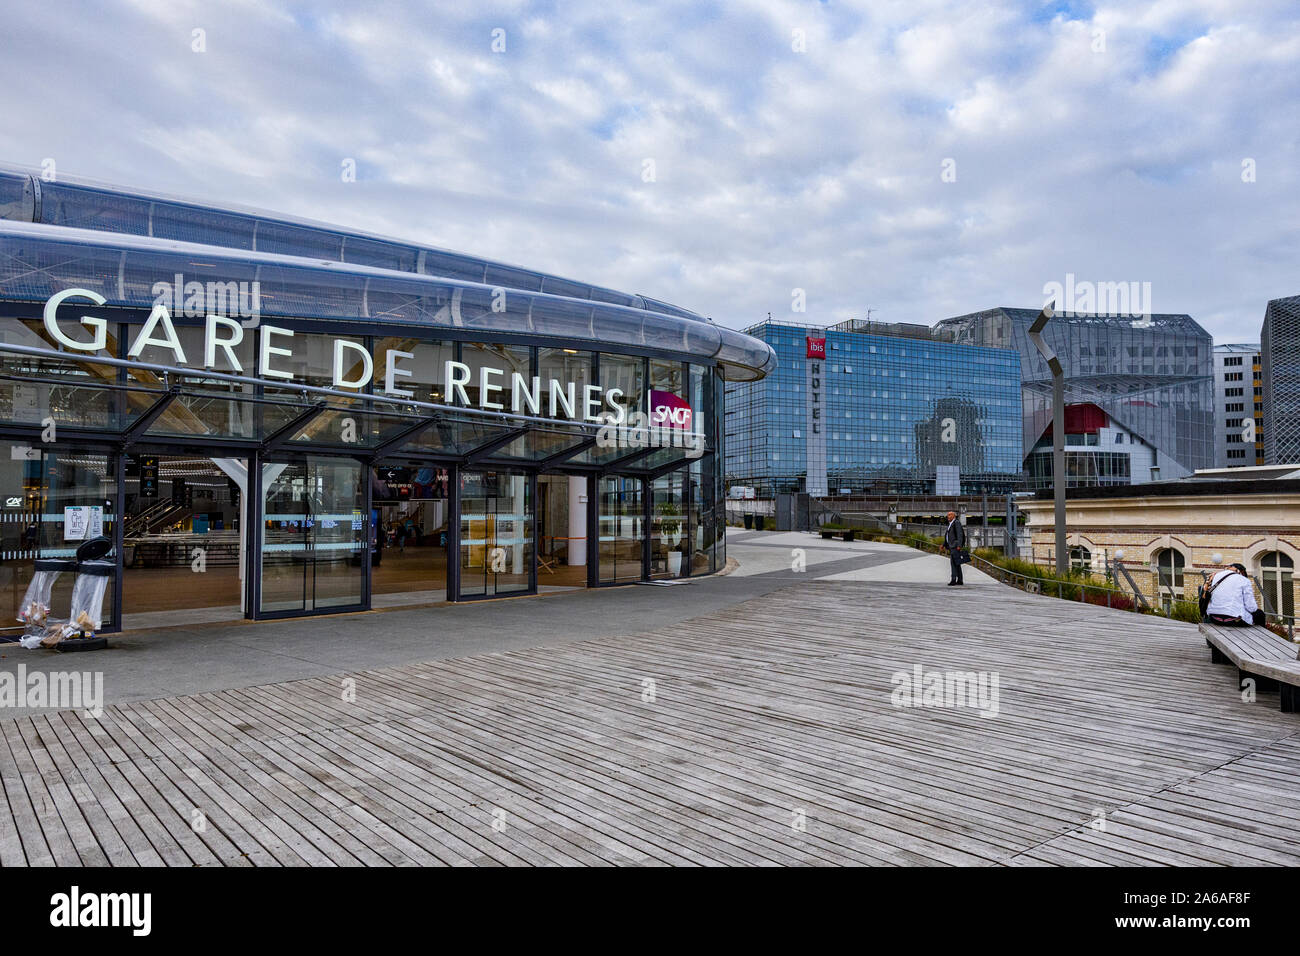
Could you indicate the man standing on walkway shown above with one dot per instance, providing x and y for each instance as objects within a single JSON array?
[{"x": 954, "y": 540}]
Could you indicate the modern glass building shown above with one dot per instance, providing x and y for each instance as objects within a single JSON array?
[
  {"x": 1238, "y": 406},
  {"x": 1151, "y": 377},
  {"x": 869, "y": 407},
  {"x": 272, "y": 417},
  {"x": 1280, "y": 380}
]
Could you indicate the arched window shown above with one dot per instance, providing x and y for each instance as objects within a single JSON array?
[
  {"x": 1275, "y": 569},
  {"x": 1169, "y": 572},
  {"x": 1080, "y": 558}
]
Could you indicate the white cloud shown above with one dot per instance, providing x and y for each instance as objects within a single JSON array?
[{"x": 774, "y": 168}]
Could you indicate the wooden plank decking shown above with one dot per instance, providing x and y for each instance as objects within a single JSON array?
[{"x": 771, "y": 739}]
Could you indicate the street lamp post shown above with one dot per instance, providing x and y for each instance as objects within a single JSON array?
[{"x": 1058, "y": 428}]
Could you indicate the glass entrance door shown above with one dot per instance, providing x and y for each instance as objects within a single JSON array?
[
  {"x": 496, "y": 533},
  {"x": 621, "y": 526},
  {"x": 313, "y": 534},
  {"x": 183, "y": 540},
  {"x": 409, "y": 511},
  {"x": 669, "y": 529}
]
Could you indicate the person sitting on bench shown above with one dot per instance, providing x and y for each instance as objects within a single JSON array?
[{"x": 1232, "y": 599}]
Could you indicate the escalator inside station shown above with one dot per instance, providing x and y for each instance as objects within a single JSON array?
[{"x": 183, "y": 547}]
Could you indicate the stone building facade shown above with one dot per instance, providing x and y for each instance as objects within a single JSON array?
[{"x": 1170, "y": 535}]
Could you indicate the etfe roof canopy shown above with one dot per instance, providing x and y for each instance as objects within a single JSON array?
[
  {"x": 315, "y": 270},
  {"x": 38, "y": 261}
]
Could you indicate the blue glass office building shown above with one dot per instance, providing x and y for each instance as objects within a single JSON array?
[{"x": 889, "y": 409}]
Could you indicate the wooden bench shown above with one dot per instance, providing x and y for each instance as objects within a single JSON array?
[{"x": 1259, "y": 653}]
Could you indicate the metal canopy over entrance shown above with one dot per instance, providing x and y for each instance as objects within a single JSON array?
[{"x": 125, "y": 403}]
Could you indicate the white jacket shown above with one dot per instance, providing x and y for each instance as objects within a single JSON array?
[{"x": 1232, "y": 596}]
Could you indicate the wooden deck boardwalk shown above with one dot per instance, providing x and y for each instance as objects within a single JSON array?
[{"x": 770, "y": 739}]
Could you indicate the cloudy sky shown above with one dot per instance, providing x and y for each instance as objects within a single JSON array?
[{"x": 919, "y": 158}]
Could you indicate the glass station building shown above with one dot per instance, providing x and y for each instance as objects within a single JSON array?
[{"x": 273, "y": 417}]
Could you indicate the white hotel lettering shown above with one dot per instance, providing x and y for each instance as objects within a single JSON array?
[{"x": 816, "y": 397}]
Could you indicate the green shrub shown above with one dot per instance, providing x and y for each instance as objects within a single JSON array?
[{"x": 1185, "y": 611}]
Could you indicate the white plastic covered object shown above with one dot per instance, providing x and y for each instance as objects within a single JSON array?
[
  {"x": 93, "y": 578},
  {"x": 34, "y": 612}
]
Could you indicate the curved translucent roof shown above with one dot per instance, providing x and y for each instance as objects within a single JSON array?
[
  {"x": 37, "y": 261},
  {"x": 85, "y": 205}
]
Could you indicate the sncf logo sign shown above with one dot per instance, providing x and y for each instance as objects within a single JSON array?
[
  {"x": 669, "y": 411},
  {"x": 816, "y": 347}
]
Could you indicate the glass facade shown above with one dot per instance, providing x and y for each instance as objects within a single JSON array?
[
  {"x": 1279, "y": 389},
  {"x": 892, "y": 410},
  {"x": 496, "y": 533},
  {"x": 1154, "y": 376},
  {"x": 1083, "y": 469},
  {"x": 358, "y": 437},
  {"x": 244, "y": 263}
]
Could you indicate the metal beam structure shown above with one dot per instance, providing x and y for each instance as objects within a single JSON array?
[
  {"x": 402, "y": 437},
  {"x": 292, "y": 427},
  {"x": 487, "y": 448},
  {"x": 1058, "y": 430},
  {"x": 619, "y": 463},
  {"x": 150, "y": 415},
  {"x": 560, "y": 456}
]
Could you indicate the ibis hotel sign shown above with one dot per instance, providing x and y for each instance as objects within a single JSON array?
[
  {"x": 815, "y": 447},
  {"x": 353, "y": 367}
]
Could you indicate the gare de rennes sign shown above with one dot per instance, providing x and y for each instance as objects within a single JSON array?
[{"x": 353, "y": 367}]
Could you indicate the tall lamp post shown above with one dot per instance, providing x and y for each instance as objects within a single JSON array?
[{"x": 1058, "y": 428}]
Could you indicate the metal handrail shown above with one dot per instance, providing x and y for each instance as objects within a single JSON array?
[
  {"x": 1005, "y": 576},
  {"x": 1138, "y": 598}
]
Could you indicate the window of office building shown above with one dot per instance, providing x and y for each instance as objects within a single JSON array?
[
  {"x": 426, "y": 366},
  {"x": 564, "y": 366}
]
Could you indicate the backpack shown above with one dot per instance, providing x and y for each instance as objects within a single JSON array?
[{"x": 1207, "y": 589}]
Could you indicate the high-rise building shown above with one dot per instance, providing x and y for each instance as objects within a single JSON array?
[
  {"x": 1141, "y": 390},
  {"x": 1279, "y": 345},
  {"x": 874, "y": 407},
  {"x": 1238, "y": 407}
]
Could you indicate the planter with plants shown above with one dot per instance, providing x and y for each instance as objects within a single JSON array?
[{"x": 670, "y": 532}]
